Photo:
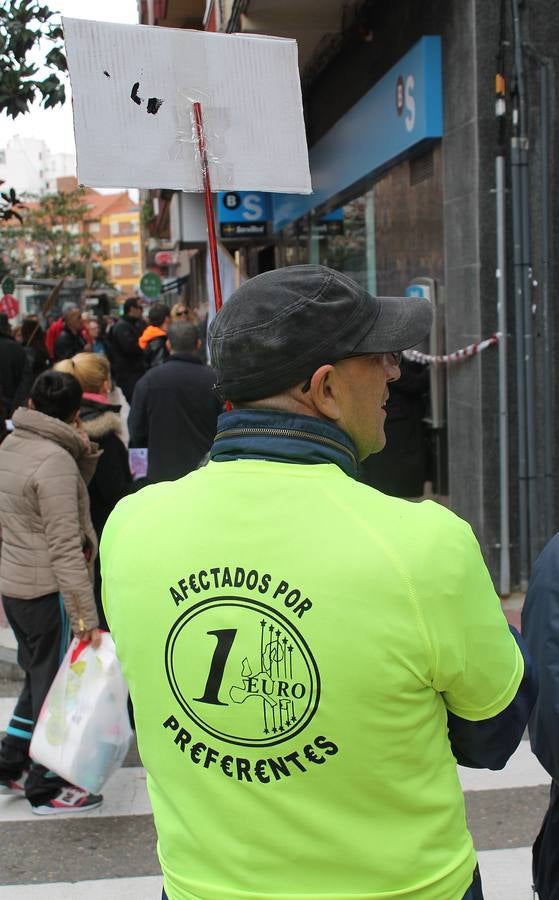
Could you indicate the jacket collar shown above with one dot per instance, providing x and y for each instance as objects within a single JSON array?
[
  {"x": 35, "y": 423},
  {"x": 99, "y": 402},
  {"x": 282, "y": 437},
  {"x": 150, "y": 334},
  {"x": 184, "y": 357}
]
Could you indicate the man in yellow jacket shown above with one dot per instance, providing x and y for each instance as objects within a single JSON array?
[{"x": 308, "y": 658}]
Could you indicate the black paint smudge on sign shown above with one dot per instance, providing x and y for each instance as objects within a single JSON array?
[
  {"x": 154, "y": 105},
  {"x": 106, "y": 73},
  {"x": 134, "y": 93}
]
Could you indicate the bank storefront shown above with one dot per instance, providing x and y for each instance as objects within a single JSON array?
[{"x": 376, "y": 209}]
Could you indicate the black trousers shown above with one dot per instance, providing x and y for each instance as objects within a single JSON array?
[
  {"x": 42, "y": 631},
  {"x": 545, "y": 853},
  {"x": 474, "y": 892}
]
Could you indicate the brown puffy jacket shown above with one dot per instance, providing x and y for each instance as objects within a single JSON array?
[{"x": 44, "y": 514}]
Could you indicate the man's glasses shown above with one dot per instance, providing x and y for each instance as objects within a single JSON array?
[
  {"x": 389, "y": 357},
  {"x": 392, "y": 358}
]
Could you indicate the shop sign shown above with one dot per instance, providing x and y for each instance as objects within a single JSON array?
[
  {"x": 150, "y": 285},
  {"x": 244, "y": 214},
  {"x": 8, "y": 285},
  {"x": 403, "y": 109},
  {"x": 9, "y": 305},
  {"x": 165, "y": 258},
  {"x": 330, "y": 225}
]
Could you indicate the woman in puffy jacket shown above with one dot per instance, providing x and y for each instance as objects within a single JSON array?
[
  {"x": 101, "y": 421},
  {"x": 48, "y": 544}
]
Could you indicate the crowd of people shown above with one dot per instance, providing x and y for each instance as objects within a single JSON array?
[
  {"x": 64, "y": 466},
  {"x": 310, "y": 638}
]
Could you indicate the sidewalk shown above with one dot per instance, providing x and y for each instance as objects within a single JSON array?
[{"x": 9, "y": 668}]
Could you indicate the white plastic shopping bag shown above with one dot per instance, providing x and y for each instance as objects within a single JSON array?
[{"x": 83, "y": 732}]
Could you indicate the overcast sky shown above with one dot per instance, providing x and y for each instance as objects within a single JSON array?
[{"x": 55, "y": 125}]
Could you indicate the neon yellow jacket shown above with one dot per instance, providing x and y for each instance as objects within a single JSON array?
[{"x": 292, "y": 640}]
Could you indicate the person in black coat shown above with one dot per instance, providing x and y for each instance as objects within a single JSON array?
[
  {"x": 102, "y": 423},
  {"x": 540, "y": 630},
  {"x": 12, "y": 368},
  {"x": 37, "y": 358},
  {"x": 126, "y": 356},
  {"x": 174, "y": 409},
  {"x": 402, "y": 467},
  {"x": 70, "y": 341}
]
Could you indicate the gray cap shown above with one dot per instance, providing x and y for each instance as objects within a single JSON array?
[{"x": 278, "y": 328}]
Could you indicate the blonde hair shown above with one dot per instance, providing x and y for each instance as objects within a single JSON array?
[
  {"x": 92, "y": 370},
  {"x": 175, "y": 310}
]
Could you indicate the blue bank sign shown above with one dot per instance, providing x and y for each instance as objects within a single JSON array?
[
  {"x": 243, "y": 214},
  {"x": 403, "y": 109}
]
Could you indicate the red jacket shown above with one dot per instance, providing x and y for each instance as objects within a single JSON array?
[{"x": 54, "y": 330}]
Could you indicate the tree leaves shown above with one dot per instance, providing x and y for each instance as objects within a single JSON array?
[
  {"x": 55, "y": 228},
  {"x": 9, "y": 202},
  {"x": 24, "y": 24}
]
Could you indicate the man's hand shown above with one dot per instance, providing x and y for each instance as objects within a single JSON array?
[{"x": 93, "y": 636}]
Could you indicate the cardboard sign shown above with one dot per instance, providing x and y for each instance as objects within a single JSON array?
[{"x": 133, "y": 87}]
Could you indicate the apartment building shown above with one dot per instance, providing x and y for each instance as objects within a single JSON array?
[
  {"x": 28, "y": 166},
  {"x": 114, "y": 224}
]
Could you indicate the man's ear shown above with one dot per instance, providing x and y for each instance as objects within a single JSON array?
[
  {"x": 323, "y": 392},
  {"x": 168, "y": 345},
  {"x": 198, "y": 344}
]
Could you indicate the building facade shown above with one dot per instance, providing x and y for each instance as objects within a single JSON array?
[
  {"x": 114, "y": 224},
  {"x": 407, "y": 211},
  {"x": 29, "y": 167}
]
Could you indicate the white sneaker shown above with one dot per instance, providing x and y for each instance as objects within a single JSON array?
[{"x": 68, "y": 800}]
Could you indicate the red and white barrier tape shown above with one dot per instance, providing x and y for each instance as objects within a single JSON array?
[{"x": 457, "y": 356}]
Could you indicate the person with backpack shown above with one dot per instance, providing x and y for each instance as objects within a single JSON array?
[{"x": 153, "y": 341}]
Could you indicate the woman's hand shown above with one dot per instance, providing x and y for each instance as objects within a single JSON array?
[{"x": 92, "y": 636}]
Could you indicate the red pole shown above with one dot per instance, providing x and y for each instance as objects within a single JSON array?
[{"x": 209, "y": 205}]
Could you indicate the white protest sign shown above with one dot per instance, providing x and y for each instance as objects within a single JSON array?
[{"x": 133, "y": 87}]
